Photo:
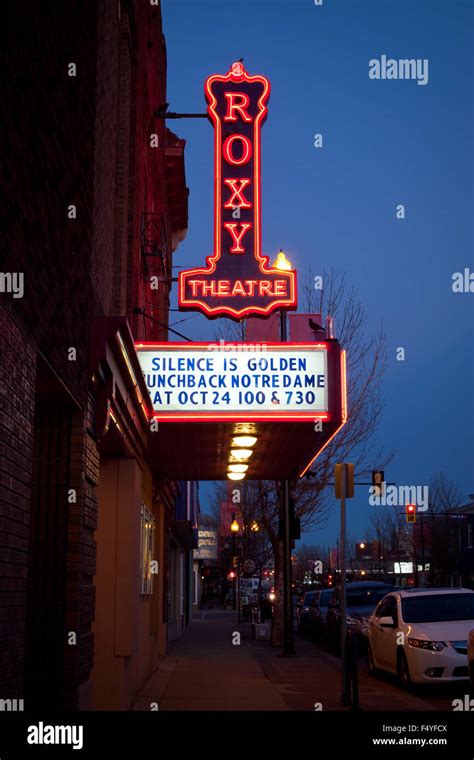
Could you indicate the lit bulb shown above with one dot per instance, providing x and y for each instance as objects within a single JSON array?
[
  {"x": 244, "y": 440},
  {"x": 236, "y": 475},
  {"x": 241, "y": 454},
  {"x": 281, "y": 262},
  {"x": 238, "y": 467}
]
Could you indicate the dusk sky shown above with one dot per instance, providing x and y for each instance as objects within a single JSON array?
[{"x": 386, "y": 142}]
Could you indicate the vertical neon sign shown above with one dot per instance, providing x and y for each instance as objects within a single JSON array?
[{"x": 237, "y": 280}]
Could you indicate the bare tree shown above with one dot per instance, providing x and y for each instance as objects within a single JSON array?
[
  {"x": 444, "y": 499},
  {"x": 366, "y": 360}
]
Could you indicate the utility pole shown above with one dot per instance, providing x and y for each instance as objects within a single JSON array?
[
  {"x": 344, "y": 477},
  {"x": 422, "y": 542},
  {"x": 344, "y": 695},
  {"x": 288, "y": 633}
]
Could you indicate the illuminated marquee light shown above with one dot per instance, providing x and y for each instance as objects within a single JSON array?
[
  {"x": 199, "y": 404},
  {"x": 237, "y": 280}
]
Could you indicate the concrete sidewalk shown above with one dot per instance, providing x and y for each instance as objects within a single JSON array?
[{"x": 206, "y": 671}]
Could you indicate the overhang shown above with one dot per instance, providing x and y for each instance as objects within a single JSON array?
[
  {"x": 198, "y": 445},
  {"x": 200, "y": 451}
]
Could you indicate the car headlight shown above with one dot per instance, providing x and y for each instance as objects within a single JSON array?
[{"x": 431, "y": 646}]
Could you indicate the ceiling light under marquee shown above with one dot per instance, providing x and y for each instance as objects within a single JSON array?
[
  {"x": 241, "y": 454},
  {"x": 238, "y": 467},
  {"x": 244, "y": 440}
]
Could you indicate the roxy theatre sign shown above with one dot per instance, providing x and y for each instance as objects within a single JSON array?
[{"x": 237, "y": 280}]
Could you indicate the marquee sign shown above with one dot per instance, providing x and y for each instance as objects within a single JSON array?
[
  {"x": 211, "y": 382},
  {"x": 237, "y": 280}
]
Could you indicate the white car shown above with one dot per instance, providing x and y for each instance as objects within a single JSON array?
[
  {"x": 421, "y": 634},
  {"x": 470, "y": 658}
]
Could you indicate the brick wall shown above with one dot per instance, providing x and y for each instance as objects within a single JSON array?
[
  {"x": 80, "y": 140},
  {"x": 49, "y": 152},
  {"x": 17, "y": 391}
]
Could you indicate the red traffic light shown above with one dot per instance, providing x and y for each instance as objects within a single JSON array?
[
  {"x": 411, "y": 513},
  {"x": 231, "y": 575}
]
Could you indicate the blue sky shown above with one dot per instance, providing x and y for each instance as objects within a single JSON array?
[{"x": 385, "y": 143}]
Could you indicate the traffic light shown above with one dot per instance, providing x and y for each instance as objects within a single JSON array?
[
  {"x": 378, "y": 479},
  {"x": 349, "y": 480},
  {"x": 411, "y": 513},
  {"x": 232, "y": 575}
]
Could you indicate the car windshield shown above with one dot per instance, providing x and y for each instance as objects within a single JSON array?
[
  {"x": 324, "y": 598},
  {"x": 438, "y": 608},
  {"x": 308, "y": 598},
  {"x": 366, "y": 597}
]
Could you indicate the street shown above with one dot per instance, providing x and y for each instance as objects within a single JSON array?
[{"x": 206, "y": 671}]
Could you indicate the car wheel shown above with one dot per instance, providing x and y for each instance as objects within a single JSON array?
[
  {"x": 403, "y": 670},
  {"x": 371, "y": 669}
]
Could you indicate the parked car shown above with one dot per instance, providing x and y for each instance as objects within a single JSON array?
[
  {"x": 361, "y": 599},
  {"x": 304, "y": 606},
  {"x": 313, "y": 618},
  {"x": 421, "y": 635},
  {"x": 470, "y": 659}
]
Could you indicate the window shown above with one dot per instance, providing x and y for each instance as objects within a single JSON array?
[
  {"x": 438, "y": 608},
  {"x": 383, "y": 609},
  {"x": 469, "y": 535},
  {"x": 366, "y": 596},
  {"x": 147, "y": 546}
]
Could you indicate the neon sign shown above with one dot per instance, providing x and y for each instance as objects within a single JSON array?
[{"x": 237, "y": 280}]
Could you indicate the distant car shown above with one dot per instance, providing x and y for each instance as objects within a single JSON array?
[
  {"x": 302, "y": 608},
  {"x": 313, "y": 618},
  {"x": 421, "y": 635},
  {"x": 361, "y": 599},
  {"x": 470, "y": 659}
]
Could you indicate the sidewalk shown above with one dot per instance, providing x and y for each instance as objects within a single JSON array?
[{"x": 206, "y": 671}]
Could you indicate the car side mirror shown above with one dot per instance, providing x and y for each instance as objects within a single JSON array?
[{"x": 387, "y": 621}]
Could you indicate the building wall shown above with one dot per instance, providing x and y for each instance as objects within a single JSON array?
[
  {"x": 80, "y": 140},
  {"x": 49, "y": 119}
]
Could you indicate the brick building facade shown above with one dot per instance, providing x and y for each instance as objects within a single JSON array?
[{"x": 97, "y": 205}]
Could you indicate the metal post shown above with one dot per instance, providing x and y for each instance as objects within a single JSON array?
[
  {"x": 288, "y": 633},
  {"x": 422, "y": 553},
  {"x": 344, "y": 694},
  {"x": 234, "y": 599}
]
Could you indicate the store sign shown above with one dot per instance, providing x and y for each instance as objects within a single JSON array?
[
  {"x": 237, "y": 280},
  {"x": 207, "y": 544},
  {"x": 230, "y": 382}
]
